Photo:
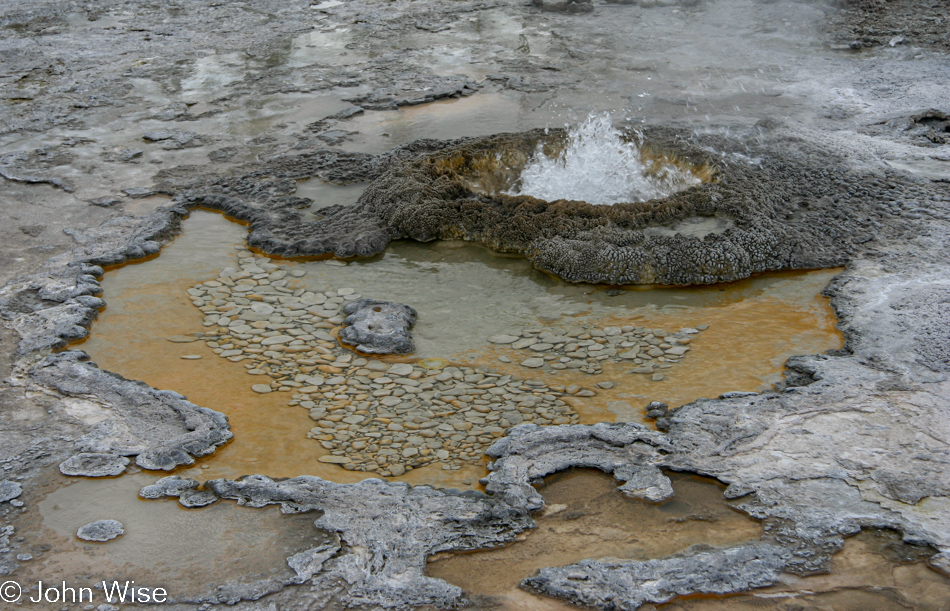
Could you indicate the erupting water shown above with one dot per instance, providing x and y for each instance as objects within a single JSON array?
[{"x": 599, "y": 166}]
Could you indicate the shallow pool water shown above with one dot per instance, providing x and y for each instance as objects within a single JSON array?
[
  {"x": 464, "y": 294},
  {"x": 187, "y": 552},
  {"x": 586, "y": 517}
]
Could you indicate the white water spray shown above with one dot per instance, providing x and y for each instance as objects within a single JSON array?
[{"x": 599, "y": 167}]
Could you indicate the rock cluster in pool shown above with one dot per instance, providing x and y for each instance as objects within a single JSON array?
[
  {"x": 390, "y": 418},
  {"x": 371, "y": 416},
  {"x": 585, "y": 347}
]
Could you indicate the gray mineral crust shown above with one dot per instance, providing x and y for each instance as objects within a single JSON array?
[
  {"x": 100, "y": 531},
  {"x": 9, "y": 490},
  {"x": 90, "y": 464},
  {"x": 626, "y": 585}
]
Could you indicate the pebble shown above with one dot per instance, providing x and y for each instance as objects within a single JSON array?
[
  {"x": 335, "y": 460},
  {"x": 503, "y": 339},
  {"x": 181, "y": 339},
  {"x": 400, "y": 369},
  {"x": 533, "y": 362},
  {"x": 261, "y": 388},
  {"x": 191, "y": 357}
]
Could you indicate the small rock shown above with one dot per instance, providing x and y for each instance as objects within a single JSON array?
[
  {"x": 100, "y": 531},
  {"x": 533, "y": 362},
  {"x": 261, "y": 388},
  {"x": 503, "y": 339},
  {"x": 106, "y": 202},
  {"x": 191, "y": 357},
  {"x": 400, "y": 369},
  {"x": 197, "y": 498},
  {"x": 9, "y": 490},
  {"x": 138, "y": 192},
  {"x": 658, "y": 377},
  {"x": 335, "y": 460},
  {"x": 657, "y": 409},
  {"x": 173, "y": 485},
  {"x": 90, "y": 464},
  {"x": 181, "y": 339}
]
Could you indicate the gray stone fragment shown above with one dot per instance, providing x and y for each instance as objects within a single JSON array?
[
  {"x": 378, "y": 327},
  {"x": 197, "y": 498},
  {"x": 139, "y": 192},
  {"x": 503, "y": 339},
  {"x": 9, "y": 490},
  {"x": 100, "y": 531},
  {"x": 173, "y": 485},
  {"x": 90, "y": 464},
  {"x": 106, "y": 202}
]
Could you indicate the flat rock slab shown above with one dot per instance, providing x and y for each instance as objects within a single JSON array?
[
  {"x": 197, "y": 498},
  {"x": 173, "y": 485},
  {"x": 9, "y": 490},
  {"x": 378, "y": 327},
  {"x": 101, "y": 531},
  {"x": 88, "y": 464},
  {"x": 181, "y": 339},
  {"x": 503, "y": 339}
]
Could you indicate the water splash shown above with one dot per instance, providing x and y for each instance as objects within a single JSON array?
[{"x": 599, "y": 166}]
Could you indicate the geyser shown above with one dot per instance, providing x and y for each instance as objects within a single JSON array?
[{"x": 600, "y": 165}]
